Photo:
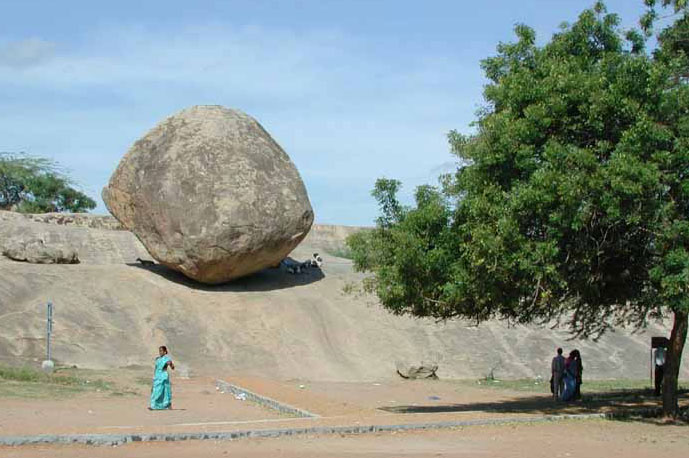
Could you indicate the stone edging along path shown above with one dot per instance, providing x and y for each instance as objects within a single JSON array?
[
  {"x": 119, "y": 439},
  {"x": 271, "y": 403}
]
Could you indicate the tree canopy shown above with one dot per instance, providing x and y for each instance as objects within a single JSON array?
[
  {"x": 35, "y": 185},
  {"x": 572, "y": 203}
]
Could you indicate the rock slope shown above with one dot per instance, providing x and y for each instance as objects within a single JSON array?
[{"x": 110, "y": 312}]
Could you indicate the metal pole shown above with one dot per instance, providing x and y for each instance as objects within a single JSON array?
[
  {"x": 50, "y": 329},
  {"x": 48, "y": 364}
]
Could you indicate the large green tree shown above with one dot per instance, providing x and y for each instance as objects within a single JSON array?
[
  {"x": 572, "y": 204},
  {"x": 35, "y": 185}
]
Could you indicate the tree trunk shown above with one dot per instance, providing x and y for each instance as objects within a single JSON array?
[{"x": 673, "y": 360}]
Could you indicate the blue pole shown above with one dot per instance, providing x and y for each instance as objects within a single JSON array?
[{"x": 49, "y": 328}]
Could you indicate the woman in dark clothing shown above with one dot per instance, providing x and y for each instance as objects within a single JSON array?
[
  {"x": 578, "y": 372},
  {"x": 570, "y": 377}
]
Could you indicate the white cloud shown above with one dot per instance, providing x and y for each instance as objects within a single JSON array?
[{"x": 261, "y": 63}]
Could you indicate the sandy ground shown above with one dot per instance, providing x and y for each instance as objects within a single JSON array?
[
  {"x": 199, "y": 406},
  {"x": 458, "y": 399},
  {"x": 594, "y": 438},
  {"x": 195, "y": 401},
  {"x": 308, "y": 342}
]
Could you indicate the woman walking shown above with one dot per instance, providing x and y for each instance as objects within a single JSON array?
[{"x": 161, "y": 393}]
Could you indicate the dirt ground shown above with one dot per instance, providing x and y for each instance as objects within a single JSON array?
[
  {"x": 276, "y": 326},
  {"x": 459, "y": 399},
  {"x": 591, "y": 439},
  {"x": 195, "y": 401},
  {"x": 199, "y": 406}
]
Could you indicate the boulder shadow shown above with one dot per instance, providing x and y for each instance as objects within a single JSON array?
[{"x": 269, "y": 279}]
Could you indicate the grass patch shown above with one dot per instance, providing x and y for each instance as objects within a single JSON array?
[
  {"x": 528, "y": 385},
  {"x": 20, "y": 374},
  {"x": 350, "y": 288},
  {"x": 32, "y": 390},
  {"x": 591, "y": 386},
  {"x": 30, "y": 382}
]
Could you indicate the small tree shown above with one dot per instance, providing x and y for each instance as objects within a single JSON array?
[
  {"x": 574, "y": 204},
  {"x": 35, "y": 185}
]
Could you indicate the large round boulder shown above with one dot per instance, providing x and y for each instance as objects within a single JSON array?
[{"x": 211, "y": 194}]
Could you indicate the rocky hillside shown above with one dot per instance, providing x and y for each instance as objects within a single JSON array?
[{"x": 111, "y": 312}]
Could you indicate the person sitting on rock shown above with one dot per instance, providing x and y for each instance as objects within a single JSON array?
[
  {"x": 294, "y": 269},
  {"x": 316, "y": 261}
]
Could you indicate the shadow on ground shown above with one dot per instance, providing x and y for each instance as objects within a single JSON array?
[
  {"x": 269, "y": 279},
  {"x": 614, "y": 401}
]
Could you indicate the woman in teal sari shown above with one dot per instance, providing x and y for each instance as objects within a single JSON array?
[{"x": 161, "y": 393}]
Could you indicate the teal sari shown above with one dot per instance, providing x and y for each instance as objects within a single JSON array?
[{"x": 161, "y": 394}]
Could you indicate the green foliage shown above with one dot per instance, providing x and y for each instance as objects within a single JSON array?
[
  {"x": 34, "y": 185},
  {"x": 648, "y": 20},
  {"x": 407, "y": 251},
  {"x": 574, "y": 199},
  {"x": 364, "y": 250},
  {"x": 385, "y": 192}
]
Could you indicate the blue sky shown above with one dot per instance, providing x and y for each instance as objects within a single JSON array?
[{"x": 352, "y": 90}]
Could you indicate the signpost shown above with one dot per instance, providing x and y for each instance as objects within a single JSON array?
[{"x": 48, "y": 364}]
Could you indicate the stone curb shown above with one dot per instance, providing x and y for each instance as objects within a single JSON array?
[
  {"x": 119, "y": 439},
  {"x": 271, "y": 403}
]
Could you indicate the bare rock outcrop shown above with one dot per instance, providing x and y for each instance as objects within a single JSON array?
[
  {"x": 211, "y": 194},
  {"x": 37, "y": 251},
  {"x": 105, "y": 222}
]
